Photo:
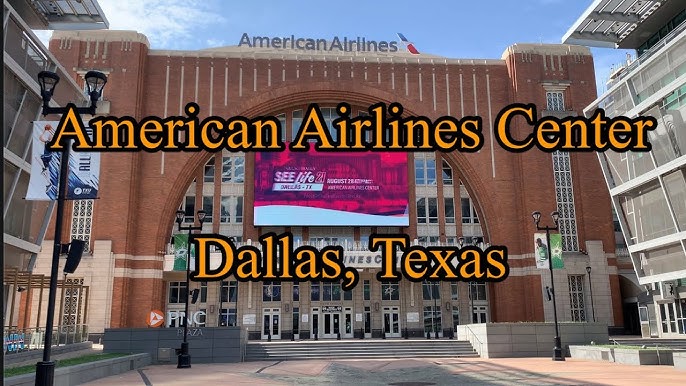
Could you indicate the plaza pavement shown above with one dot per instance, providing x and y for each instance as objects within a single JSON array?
[{"x": 403, "y": 372}]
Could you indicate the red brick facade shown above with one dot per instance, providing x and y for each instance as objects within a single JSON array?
[{"x": 138, "y": 202}]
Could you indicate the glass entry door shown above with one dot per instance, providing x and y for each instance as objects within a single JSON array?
[
  {"x": 271, "y": 323},
  {"x": 391, "y": 322},
  {"x": 332, "y": 325}
]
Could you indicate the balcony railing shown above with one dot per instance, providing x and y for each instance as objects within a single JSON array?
[
  {"x": 20, "y": 340},
  {"x": 648, "y": 54}
]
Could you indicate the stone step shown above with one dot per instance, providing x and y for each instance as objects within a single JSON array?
[{"x": 260, "y": 351}]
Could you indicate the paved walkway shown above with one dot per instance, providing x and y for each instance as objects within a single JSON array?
[{"x": 404, "y": 372}]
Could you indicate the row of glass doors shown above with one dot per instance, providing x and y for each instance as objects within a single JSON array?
[{"x": 330, "y": 321}]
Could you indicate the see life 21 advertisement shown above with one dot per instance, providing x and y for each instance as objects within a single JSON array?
[{"x": 341, "y": 188}]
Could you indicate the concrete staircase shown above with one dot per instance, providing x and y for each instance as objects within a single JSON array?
[{"x": 357, "y": 349}]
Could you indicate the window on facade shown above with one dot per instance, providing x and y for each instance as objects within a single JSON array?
[
  {"x": 296, "y": 122},
  {"x": 421, "y": 210},
  {"x": 428, "y": 239},
  {"x": 427, "y": 210},
  {"x": 233, "y": 169},
  {"x": 282, "y": 122},
  {"x": 555, "y": 100},
  {"x": 468, "y": 212},
  {"x": 178, "y": 292},
  {"x": 432, "y": 318},
  {"x": 431, "y": 290},
  {"x": 224, "y": 214},
  {"x": 390, "y": 291},
  {"x": 231, "y": 205},
  {"x": 477, "y": 291},
  {"x": 229, "y": 291},
  {"x": 296, "y": 320},
  {"x": 454, "y": 294},
  {"x": 203, "y": 292},
  {"x": 189, "y": 209},
  {"x": 331, "y": 291},
  {"x": 227, "y": 317},
  {"x": 329, "y": 114},
  {"x": 576, "y": 298},
  {"x": 348, "y": 295},
  {"x": 296, "y": 291},
  {"x": 449, "y": 207},
  {"x": 366, "y": 290},
  {"x": 209, "y": 170},
  {"x": 207, "y": 202},
  {"x": 424, "y": 169},
  {"x": 271, "y": 291},
  {"x": 433, "y": 210},
  {"x": 447, "y": 174},
  {"x": 314, "y": 291},
  {"x": 239, "y": 209}
]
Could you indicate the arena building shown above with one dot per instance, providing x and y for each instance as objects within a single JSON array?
[{"x": 480, "y": 198}]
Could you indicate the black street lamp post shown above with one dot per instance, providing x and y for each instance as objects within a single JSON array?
[
  {"x": 45, "y": 370},
  {"x": 557, "y": 351},
  {"x": 590, "y": 285},
  {"x": 184, "y": 358}
]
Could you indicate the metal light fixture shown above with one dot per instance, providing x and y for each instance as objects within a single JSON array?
[
  {"x": 95, "y": 83},
  {"x": 557, "y": 350},
  {"x": 590, "y": 285},
  {"x": 184, "y": 358},
  {"x": 48, "y": 80}
]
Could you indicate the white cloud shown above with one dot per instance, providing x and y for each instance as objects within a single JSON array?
[
  {"x": 215, "y": 42},
  {"x": 168, "y": 24}
]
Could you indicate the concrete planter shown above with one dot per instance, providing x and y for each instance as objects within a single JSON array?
[
  {"x": 679, "y": 358},
  {"x": 592, "y": 353},
  {"x": 644, "y": 356},
  {"x": 86, "y": 372}
]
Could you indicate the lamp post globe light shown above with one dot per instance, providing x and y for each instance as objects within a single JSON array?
[
  {"x": 45, "y": 370},
  {"x": 557, "y": 351},
  {"x": 184, "y": 358}
]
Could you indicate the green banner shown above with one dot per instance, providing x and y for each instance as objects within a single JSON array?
[
  {"x": 541, "y": 250},
  {"x": 556, "y": 250},
  {"x": 181, "y": 252}
]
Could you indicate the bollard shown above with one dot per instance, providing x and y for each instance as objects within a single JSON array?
[
  {"x": 269, "y": 337},
  {"x": 338, "y": 336},
  {"x": 428, "y": 335}
]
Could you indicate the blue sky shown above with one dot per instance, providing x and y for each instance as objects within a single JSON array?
[{"x": 455, "y": 29}]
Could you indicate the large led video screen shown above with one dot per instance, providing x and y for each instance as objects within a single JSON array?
[{"x": 335, "y": 188}]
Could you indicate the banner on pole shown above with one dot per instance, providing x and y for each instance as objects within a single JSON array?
[
  {"x": 541, "y": 250},
  {"x": 181, "y": 252},
  {"x": 84, "y": 168}
]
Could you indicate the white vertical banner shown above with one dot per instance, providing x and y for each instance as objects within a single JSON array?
[{"x": 84, "y": 168}]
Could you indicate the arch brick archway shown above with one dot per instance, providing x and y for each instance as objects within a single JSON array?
[{"x": 285, "y": 97}]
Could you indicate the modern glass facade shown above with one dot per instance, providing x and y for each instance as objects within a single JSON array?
[
  {"x": 25, "y": 222},
  {"x": 648, "y": 189}
]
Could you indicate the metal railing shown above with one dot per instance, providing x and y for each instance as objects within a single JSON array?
[
  {"x": 471, "y": 337},
  {"x": 20, "y": 340},
  {"x": 648, "y": 54}
]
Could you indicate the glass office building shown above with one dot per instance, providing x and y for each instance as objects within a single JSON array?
[{"x": 648, "y": 189}]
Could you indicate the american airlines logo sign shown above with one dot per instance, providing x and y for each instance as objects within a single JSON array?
[{"x": 359, "y": 44}]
